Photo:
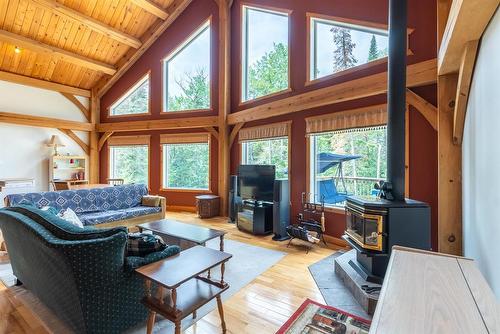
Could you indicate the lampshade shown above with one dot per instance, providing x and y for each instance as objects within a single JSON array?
[{"x": 55, "y": 141}]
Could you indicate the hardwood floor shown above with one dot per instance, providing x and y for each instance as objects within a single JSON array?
[{"x": 260, "y": 307}]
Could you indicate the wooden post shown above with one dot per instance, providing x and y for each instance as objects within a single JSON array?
[
  {"x": 224, "y": 101},
  {"x": 94, "y": 138}
]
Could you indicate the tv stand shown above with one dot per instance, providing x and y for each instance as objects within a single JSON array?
[{"x": 255, "y": 217}]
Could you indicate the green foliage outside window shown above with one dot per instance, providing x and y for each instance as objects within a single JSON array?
[
  {"x": 195, "y": 92},
  {"x": 269, "y": 74},
  {"x": 186, "y": 166},
  {"x": 129, "y": 163},
  {"x": 268, "y": 152},
  {"x": 136, "y": 102}
]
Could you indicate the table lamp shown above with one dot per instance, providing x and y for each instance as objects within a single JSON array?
[{"x": 55, "y": 142}]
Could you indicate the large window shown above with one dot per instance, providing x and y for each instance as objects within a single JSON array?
[
  {"x": 129, "y": 163},
  {"x": 363, "y": 152},
  {"x": 135, "y": 101},
  {"x": 267, "y": 152},
  {"x": 337, "y": 46},
  {"x": 187, "y": 74},
  {"x": 264, "y": 52},
  {"x": 186, "y": 162}
]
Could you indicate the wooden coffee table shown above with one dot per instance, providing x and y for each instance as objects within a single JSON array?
[
  {"x": 182, "y": 289},
  {"x": 196, "y": 234}
]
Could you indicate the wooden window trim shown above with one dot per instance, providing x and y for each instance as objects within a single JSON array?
[
  {"x": 188, "y": 190},
  {"x": 169, "y": 56},
  {"x": 284, "y": 11},
  {"x": 141, "y": 144},
  {"x": 130, "y": 90},
  {"x": 371, "y": 25}
]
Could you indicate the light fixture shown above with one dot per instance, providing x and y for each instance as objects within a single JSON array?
[
  {"x": 55, "y": 142},
  {"x": 17, "y": 50}
]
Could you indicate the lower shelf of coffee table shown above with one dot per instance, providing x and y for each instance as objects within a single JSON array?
[{"x": 190, "y": 296}]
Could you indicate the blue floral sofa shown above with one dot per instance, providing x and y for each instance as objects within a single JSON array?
[
  {"x": 83, "y": 275},
  {"x": 101, "y": 207}
]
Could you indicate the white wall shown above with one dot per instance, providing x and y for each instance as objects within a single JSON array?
[
  {"x": 23, "y": 153},
  {"x": 481, "y": 160}
]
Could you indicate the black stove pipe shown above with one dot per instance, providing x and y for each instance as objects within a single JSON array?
[{"x": 396, "y": 97}]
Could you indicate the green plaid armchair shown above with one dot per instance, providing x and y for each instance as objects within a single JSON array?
[{"x": 82, "y": 275}]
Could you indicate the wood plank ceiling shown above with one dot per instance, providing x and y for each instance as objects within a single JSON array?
[{"x": 72, "y": 42}]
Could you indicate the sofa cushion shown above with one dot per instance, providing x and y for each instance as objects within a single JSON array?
[
  {"x": 100, "y": 217},
  {"x": 61, "y": 228},
  {"x": 119, "y": 197},
  {"x": 85, "y": 200}
]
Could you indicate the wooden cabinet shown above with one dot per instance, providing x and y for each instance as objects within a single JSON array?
[
  {"x": 67, "y": 168},
  {"x": 425, "y": 292}
]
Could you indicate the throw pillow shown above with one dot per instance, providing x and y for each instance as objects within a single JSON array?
[
  {"x": 150, "y": 200},
  {"x": 141, "y": 244},
  {"x": 71, "y": 217}
]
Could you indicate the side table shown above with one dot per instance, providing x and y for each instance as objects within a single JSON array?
[{"x": 182, "y": 289}]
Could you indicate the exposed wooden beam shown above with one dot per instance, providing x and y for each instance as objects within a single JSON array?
[
  {"x": 104, "y": 138},
  {"x": 419, "y": 74},
  {"x": 43, "y": 122},
  {"x": 76, "y": 139},
  {"x": 95, "y": 107},
  {"x": 27, "y": 81},
  {"x": 159, "y": 124},
  {"x": 224, "y": 101},
  {"x": 55, "y": 52},
  {"x": 234, "y": 133},
  {"x": 152, "y": 8},
  {"x": 90, "y": 22},
  {"x": 463, "y": 87},
  {"x": 212, "y": 131},
  {"x": 449, "y": 171},
  {"x": 149, "y": 37},
  {"x": 466, "y": 22},
  {"x": 423, "y": 106},
  {"x": 85, "y": 111}
]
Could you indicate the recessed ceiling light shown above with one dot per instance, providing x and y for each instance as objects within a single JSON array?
[{"x": 17, "y": 50}]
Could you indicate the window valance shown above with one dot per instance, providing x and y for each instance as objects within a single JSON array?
[
  {"x": 274, "y": 130},
  {"x": 128, "y": 140},
  {"x": 356, "y": 118},
  {"x": 185, "y": 138}
]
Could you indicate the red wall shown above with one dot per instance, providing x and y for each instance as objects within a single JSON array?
[{"x": 423, "y": 140}]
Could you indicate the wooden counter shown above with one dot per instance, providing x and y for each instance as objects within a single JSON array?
[{"x": 425, "y": 292}]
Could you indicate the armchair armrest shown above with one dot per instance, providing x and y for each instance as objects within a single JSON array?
[
  {"x": 163, "y": 205},
  {"x": 134, "y": 262}
]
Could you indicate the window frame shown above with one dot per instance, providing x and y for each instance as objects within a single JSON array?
[
  {"x": 244, "y": 51},
  {"x": 288, "y": 138},
  {"x": 138, "y": 143},
  {"x": 128, "y": 92},
  {"x": 363, "y": 26},
  {"x": 187, "y": 190},
  {"x": 172, "y": 54}
]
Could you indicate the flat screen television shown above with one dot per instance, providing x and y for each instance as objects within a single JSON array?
[{"x": 256, "y": 182}]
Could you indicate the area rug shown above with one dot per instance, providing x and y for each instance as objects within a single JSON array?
[
  {"x": 333, "y": 289},
  {"x": 315, "y": 318},
  {"x": 247, "y": 263}
]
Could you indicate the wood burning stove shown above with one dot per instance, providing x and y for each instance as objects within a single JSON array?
[{"x": 374, "y": 225}]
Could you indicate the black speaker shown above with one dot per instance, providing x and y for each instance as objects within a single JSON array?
[
  {"x": 281, "y": 209},
  {"x": 232, "y": 200}
]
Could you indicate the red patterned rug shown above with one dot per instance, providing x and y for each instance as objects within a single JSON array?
[{"x": 315, "y": 318}]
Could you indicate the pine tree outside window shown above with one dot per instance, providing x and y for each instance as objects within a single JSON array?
[
  {"x": 187, "y": 74},
  {"x": 337, "y": 46},
  {"x": 264, "y": 53},
  {"x": 135, "y": 101}
]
